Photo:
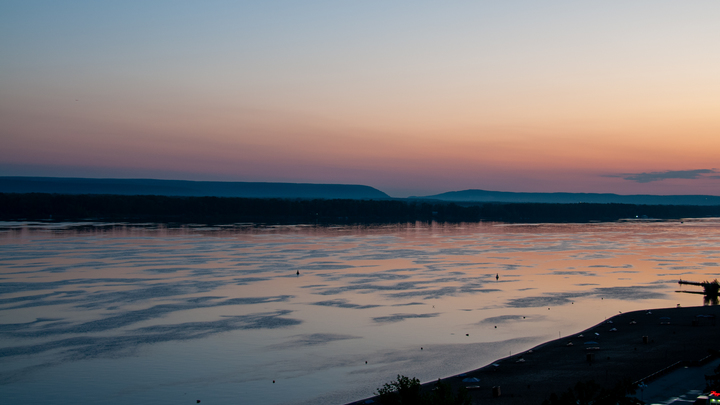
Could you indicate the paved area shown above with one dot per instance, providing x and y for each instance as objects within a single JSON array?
[{"x": 679, "y": 387}]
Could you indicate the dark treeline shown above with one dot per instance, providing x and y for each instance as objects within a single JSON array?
[{"x": 37, "y": 206}]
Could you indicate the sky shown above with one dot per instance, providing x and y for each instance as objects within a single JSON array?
[{"x": 410, "y": 97}]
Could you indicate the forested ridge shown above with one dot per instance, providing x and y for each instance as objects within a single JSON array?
[{"x": 40, "y": 206}]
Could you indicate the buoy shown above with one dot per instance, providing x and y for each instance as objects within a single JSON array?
[
  {"x": 495, "y": 326},
  {"x": 273, "y": 381}
]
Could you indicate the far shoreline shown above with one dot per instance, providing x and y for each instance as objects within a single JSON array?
[{"x": 225, "y": 210}]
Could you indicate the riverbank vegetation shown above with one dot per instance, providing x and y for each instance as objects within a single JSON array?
[
  {"x": 40, "y": 206},
  {"x": 408, "y": 391}
]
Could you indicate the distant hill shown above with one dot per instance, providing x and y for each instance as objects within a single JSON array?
[
  {"x": 63, "y": 185},
  {"x": 569, "y": 198}
]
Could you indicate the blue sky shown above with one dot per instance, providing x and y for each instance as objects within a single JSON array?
[{"x": 409, "y": 97}]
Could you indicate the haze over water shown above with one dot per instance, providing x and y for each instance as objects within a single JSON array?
[{"x": 97, "y": 313}]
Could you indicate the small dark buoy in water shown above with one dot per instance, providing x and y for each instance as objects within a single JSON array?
[
  {"x": 497, "y": 276},
  {"x": 495, "y": 326},
  {"x": 421, "y": 348},
  {"x": 467, "y": 334},
  {"x": 365, "y": 361},
  {"x": 198, "y": 401},
  {"x": 298, "y": 272},
  {"x": 273, "y": 381}
]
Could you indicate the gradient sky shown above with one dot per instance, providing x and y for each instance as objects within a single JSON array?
[{"x": 411, "y": 97}]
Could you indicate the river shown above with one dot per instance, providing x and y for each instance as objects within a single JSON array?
[{"x": 115, "y": 313}]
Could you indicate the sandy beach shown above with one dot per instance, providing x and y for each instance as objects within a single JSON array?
[{"x": 631, "y": 346}]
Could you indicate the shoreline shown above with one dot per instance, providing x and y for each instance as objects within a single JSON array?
[{"x": 644, "y": 345}]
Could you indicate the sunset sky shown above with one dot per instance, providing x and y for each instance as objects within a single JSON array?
[{"x": 410, "y": 97}]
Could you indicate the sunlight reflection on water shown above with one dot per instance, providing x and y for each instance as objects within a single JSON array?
[{"x": 116, "y": 313}]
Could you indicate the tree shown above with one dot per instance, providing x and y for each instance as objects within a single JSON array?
[
  {"x": 406, "y": 391},
  {"x": 403, "y": 391}
]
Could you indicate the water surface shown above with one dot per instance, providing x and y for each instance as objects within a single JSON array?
[{"x": 98, "y": 313}]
